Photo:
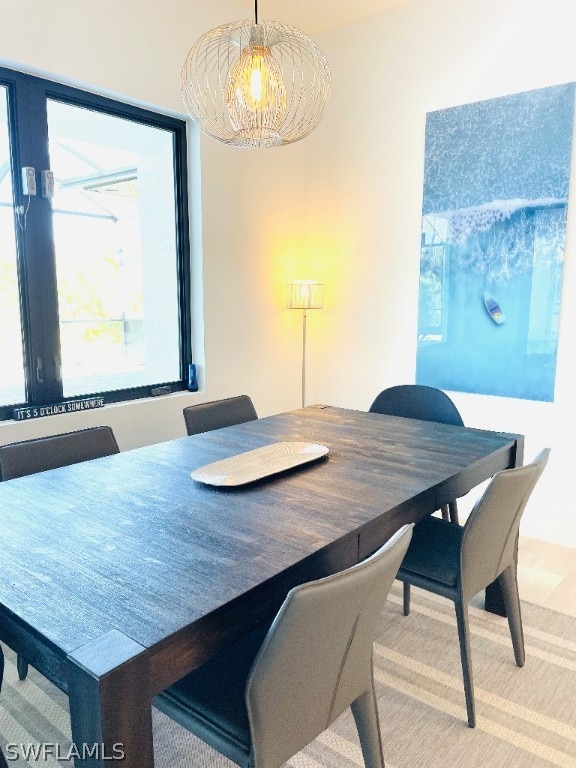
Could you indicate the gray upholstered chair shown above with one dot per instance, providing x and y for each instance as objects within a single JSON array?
[
  {"x": 458, "y": 562},
  {"x": 28, "y": 457},
  {"x": 416, "y": 401},
  {"x": 219, "y": 413},
  {"x": 263, "y": 700}
]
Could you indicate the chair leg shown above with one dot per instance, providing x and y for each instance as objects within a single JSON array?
[
  {"x": 22, "y": 667},
  {"x": 464, "y": 638},
  {"x": 453, "y": 512},
  {"x": 509, "y": 585},
  {"x": 450, "y": 512},
  {"x": 406, "y": 598},
  {"x": 365, "y": 713}
]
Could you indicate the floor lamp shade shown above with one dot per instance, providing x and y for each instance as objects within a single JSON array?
[{"x": 305, "y": 295}]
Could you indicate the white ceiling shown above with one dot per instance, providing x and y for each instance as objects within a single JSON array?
[{"x": 314, "y": 16}]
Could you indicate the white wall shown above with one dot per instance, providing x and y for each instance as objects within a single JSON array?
[
  {"x": 343, "y": 206},
  {"x": 366, "y": 192}
]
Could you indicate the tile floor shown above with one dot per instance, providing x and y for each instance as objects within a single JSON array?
[{"x": 547, "y": 574}]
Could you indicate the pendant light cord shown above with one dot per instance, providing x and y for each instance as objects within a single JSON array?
[{"x": 256, "y": 11}]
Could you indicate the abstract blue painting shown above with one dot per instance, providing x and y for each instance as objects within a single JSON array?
[{"x": 495, "y": 199}]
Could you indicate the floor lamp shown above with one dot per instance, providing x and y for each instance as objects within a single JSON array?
[{"x": 305, "y": 295}]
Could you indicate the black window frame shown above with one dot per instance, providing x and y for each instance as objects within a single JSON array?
[{"x": 27, "y": 97}]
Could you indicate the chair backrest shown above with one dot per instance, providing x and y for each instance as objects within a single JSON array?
[
  {"x": 39, "y": 454},
  {"x": 489, "y": 537},
  {"x": 416, "y": 401},
  {"x": 317, "y": 656},
  {"x": 219, "y": 413}
]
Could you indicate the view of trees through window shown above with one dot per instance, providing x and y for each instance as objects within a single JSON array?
[{"x": 111, "y": 179}]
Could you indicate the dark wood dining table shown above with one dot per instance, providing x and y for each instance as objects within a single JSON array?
[{"x": 121, "y": 575}]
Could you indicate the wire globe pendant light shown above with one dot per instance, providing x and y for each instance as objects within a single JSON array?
[{"x": 256, "y": 83}]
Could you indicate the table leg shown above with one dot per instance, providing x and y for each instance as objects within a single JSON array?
[
  {"x": 494, "y": 600},
  {"x": 110, "y": 707}
]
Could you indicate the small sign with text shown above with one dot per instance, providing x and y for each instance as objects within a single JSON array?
[{"x": 72, "y": 406}]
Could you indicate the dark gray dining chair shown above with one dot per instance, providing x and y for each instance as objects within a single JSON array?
[
  {"x": 267, "y": 697},
  {"x": 417, "y": 401},
  {"x": 28, "y": 457},
  {"x": 219, "y": 413},
  {"x": 458, "y": 562},
  {"x": 41, "y": 453}
]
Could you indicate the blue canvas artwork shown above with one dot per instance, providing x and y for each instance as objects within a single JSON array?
[{"x": 496, "y": 181}]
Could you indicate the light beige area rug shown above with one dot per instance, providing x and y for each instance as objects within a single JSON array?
[{"x": 526, "y": 717}]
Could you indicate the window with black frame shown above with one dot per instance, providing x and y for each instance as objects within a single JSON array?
[{"x": 94, "y": 248}]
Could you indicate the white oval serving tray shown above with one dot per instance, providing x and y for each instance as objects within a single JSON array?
[{"x": 261, "y": 462}]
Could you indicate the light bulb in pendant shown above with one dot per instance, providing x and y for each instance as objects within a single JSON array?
[{"x": 256, "y": 94}]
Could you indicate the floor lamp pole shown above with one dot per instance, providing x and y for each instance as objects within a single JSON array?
[{"x": 303, "y": 358}]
